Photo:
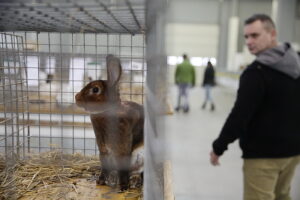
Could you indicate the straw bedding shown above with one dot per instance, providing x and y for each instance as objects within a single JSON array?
[{"x": 54, "y": 175}]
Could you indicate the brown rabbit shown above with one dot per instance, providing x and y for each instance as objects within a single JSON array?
[{"x": 118, "y": 125}]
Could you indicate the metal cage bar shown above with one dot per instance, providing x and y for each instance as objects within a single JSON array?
[{"x": 91, "y": 16}]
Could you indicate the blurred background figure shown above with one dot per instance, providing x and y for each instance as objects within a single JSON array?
[
  {"x": 208, "y": 83},
  {"x": 184, "y": 78}
]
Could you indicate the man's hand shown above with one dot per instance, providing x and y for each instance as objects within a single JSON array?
[{"x": 214, "y": 158}]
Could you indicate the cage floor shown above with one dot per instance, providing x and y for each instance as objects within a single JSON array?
[
  {"x": 55, "y": 175},
  {"x": 88, "y": 190}
]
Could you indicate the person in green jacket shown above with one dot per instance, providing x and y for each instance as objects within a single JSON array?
[{"x": 184, "y": 79}]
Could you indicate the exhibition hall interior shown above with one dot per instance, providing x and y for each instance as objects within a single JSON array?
[{"x": 90, "y": 100}]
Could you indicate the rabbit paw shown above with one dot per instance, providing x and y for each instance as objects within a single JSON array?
[
  {"x": 112, "y": 179},
  {"x": 123, "y": 187},
  {"x": 101, "y": 180},
  {"x": 135, "y": 181}
]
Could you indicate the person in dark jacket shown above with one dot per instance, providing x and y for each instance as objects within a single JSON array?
[
  {"x": 265, "y": 116},
  {"x": 208, "y": 83}
]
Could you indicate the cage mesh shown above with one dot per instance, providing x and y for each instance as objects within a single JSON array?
[
  {"x": 58, "y": 66},
  {"x": 13, "y": 97}
]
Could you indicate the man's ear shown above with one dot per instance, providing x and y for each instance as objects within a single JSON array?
[{"x": 273, "y": 34}]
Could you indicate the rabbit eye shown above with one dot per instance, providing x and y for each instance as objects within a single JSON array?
[{"x": 95, "y": 90}]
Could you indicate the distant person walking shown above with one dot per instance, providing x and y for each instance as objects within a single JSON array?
[
  {"x": 265, "y": 116},
  {"x": 208, "y": 83},
  {"x": 184, "y": 79}
]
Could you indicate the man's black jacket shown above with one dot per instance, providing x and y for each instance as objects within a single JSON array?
[{"x": 266, "y": 115}]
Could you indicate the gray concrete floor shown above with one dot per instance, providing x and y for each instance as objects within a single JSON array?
[{"x": 189, "y": 138}]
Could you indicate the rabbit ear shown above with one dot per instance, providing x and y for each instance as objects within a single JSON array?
[{"x": 114, "y": 70}]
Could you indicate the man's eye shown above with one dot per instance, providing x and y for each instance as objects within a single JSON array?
[{"x": 254, "y": 35}]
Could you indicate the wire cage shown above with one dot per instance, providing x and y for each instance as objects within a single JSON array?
[
  {"x": 58, "y": 67},
  {"x": 64, "y": 45},
  {"x": 13, "y": 97}
]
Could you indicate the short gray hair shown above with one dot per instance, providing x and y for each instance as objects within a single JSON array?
[{"x": 265, "y": 19}]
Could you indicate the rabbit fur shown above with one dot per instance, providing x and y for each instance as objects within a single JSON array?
[{"x": 118, "y": 126}]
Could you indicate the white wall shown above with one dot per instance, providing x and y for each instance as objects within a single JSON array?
[
  {"x": 297, "y": 31},
  {"x": 197, "y": 40},
  {"x": 193, "y": 11}
]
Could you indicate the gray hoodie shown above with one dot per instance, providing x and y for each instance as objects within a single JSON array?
[{"x": 282, "y": 58}]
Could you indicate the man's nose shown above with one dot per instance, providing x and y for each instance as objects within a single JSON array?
[{"x": 249, "y": 41}]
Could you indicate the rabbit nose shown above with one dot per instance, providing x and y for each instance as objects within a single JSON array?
[{"x": 78, "y": 100}]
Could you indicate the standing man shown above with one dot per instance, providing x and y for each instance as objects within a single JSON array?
[
  {"x": 265, "y": 116},
  {"x": 184, "y": 79}
]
